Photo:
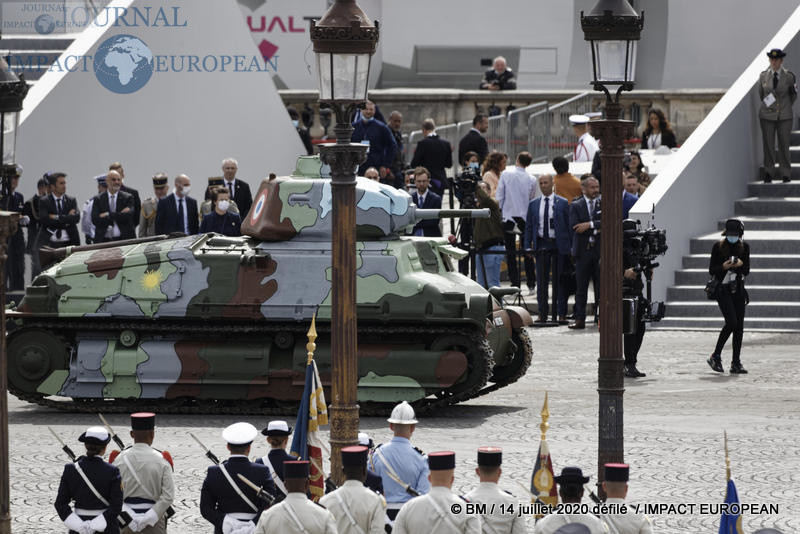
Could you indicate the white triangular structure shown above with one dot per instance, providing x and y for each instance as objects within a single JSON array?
[{"x": 178, "y": 122}]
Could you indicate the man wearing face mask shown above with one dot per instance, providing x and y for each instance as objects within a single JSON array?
[
  {"x": 302, "y": 131},
  {"x": 177, "y": 212},
  {"x": 220, "y": 220},
  {"x": 435, "y": 154},
  {"x": 379, "y": 140}
]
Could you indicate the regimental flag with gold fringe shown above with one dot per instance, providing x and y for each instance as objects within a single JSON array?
[
  {"x": 731, "y": 520},
  {"x": 543, "y": 485},
  {"x": 307, "y": 444}
]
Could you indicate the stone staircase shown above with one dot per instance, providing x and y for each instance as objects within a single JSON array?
[{"x": 771, "y": 217}]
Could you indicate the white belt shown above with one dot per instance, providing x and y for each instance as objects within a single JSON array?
[
  {"x": 241, "y": 516},
  {"x": 93, "y": 513},
  {"x": 394, "y": 505}
]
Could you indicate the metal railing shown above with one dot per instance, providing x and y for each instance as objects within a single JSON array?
[
  {"x": 539, "y": 135},
  {"x": 561, "y": 140},
  {"x": 519, "y": 136}
]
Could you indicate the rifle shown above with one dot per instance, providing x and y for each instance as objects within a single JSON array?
[
  {"x": 261, "y": 493},
  {"x": 170, "y": 511},
  {"x": 124, "y": 517}
]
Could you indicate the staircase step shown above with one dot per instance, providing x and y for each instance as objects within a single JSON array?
[
  {"x": 765, "y": 223},
  {"x": 695, "y": 293},
  {"x": 763, "y": 261},
  {"x": 794, "y": 138},
  {"x": 776, "y": 189},
  {"x": 760, "y": 241},
  {"x": 767, "y": 206},
  {"x": 794, "y": 153},
  {"x": 709, "y": 308},
  {"x": 771, "y": 324},
  {"x": 778, "y": 277}
]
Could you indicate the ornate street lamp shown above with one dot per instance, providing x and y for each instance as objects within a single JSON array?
[
  {"x": 12, "y": 93},
  {"x": 344, "y": 41},
  {"x": 612, "y": 29}
]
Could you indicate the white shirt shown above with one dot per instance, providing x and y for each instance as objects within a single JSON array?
[
  {"x": 515, "y": 189},
  {"x": 185, "y": 211},
  {"x": 282, "y": 518},
  {"x": 630, "y": 523},
  {"x": 364, "y": 505},
  {"x": 431, "y": 514},
  {"x": 421, "y": 198},
  {"x": 585, "y": 149},
  {"x": 152, "y": 470},
  {"x": 86, "y": 218},
  {"x": 501, "y": 521},
  {"x": 54, "y": 233},
  {"x": 654, "y": 140},
  {"x": 552, "y": 232},
  {"x": 550, "y": 523}
]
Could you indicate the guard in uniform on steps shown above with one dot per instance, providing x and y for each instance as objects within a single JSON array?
[
  {"x": 489, "y": 493},
  {"x": 226, "y": 501},
  {"x": 95, "y": 487},
  {"x": 296, "y": 514},
  {"x": 277, "y": 433},
  {"x": 401, "y": 466},
  {"x": 616, "y": 487},
  {"x": 439, "y": 511},
  {"x": 146, "y": 478},
  {"x": 357, "y": 509}
]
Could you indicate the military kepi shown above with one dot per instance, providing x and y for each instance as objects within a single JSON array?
[
  {"x": 277, "y": 428},
  {"x": 239, "y": 434},
  {"x": 298, "y": 469},
  {"x": 143, "y": 421},
  {"x": 442, "y": 460},
  {"x": 355, "y": 456},
  {"x": 160, "y": 180},
  {"x": 95, "y": 434},
  {"x": 617, "y": 472},
  {"x": 490, "y": 456},
  {"x": 776, "y": 53}
]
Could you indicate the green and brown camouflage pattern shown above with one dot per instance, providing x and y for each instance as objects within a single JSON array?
[{"x": 216, "y": 317}]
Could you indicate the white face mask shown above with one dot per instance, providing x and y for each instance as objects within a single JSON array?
[
  {"x": 185, "y": 190},
  {"x": 223, "y": 205}
]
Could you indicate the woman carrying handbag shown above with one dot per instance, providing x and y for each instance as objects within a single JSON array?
[{"x": 729, "y": 265}]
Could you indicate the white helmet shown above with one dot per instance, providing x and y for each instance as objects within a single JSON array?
[{"x": 403, "y": 414}]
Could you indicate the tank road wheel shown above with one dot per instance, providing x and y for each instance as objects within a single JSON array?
[
  {"x": 32, "y": 356},
  {"x": 521, "y": 360},
  {"x": 479, "y": 361}
]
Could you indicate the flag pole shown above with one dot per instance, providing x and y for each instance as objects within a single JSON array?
[
  {"x": 545, "y": 413},
  {"x": 312, "y": 336},
  {"x": 727, "y": 459}
]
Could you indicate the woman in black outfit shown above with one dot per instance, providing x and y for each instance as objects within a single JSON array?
[
  {"x": 730, "y": 264},
  {"x": 658, "y": 131}
]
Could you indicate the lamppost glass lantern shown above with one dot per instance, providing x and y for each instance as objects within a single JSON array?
[
  {"x": 344, "y": 41},
  {"x": 613, "y": 30},
  {"x": 12, "y": 92}
]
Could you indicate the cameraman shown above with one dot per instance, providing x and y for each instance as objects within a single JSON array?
[
  {"x": 489, "y": 240},
  {"x": 464, "y": 187},
  {"x": 632, "y": 287}
]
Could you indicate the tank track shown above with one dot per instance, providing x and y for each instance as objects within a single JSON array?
[
  {"x": 427, "y": 405},
  {"x": 527, "y": 343}
]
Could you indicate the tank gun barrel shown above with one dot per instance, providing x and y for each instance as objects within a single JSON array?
[
  {"x": 422, "y": 214},
  {"x": 49, "y": 255}
]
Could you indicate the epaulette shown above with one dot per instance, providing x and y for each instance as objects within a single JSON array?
[
  {"x": 168, "y": 457},
  {"x": 419, "y": 451},
  {"x": 113, "y": 454}
]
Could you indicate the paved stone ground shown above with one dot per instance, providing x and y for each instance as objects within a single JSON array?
[{"x": 674, "y": 420}]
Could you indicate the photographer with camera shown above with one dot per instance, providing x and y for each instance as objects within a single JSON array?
[
  {"x": 729, "y": 265},
  {"x": 632, "y": 288},
  {"x": 464, "y": 188}
]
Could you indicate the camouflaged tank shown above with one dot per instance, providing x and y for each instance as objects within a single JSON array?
[{"x": 208, "y": 323}]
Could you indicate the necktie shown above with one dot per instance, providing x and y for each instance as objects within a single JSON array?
[
  {"x": 420, "y": 201},
  {"x": 58, "y": 201},
  {"x": 230, "y": 188},
  {"x": 775, "y": 80},
  {"x": 180, "y": 215},
  {"x": 546, "y": 224},
  {"x": 112, "y": 203}
]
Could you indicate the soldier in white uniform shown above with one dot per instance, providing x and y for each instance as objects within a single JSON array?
[
  {"x": 147, "y": 484},
  {"x": 587, "y": 145},
  {"x": 357, "y": 509},
  {"x": 147, "y": 219},
  {"x": 616, "y": 488},
  {"x": 296, "y": 514},
  {"x": 570, "y": 488},
  {"x": 86, "y": 213},
  {"x": 504, "y": 520},
  {"x": 434, "y": 512}
]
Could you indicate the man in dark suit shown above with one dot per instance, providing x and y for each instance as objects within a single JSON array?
[
  {"x": 112, "y": 212},
  {"x": 58, "y": 215},
  {"x": 15, "y": 264},
  {"x": 424, "y": 198},
  {"x": 474, "y": 141},
  {"x": 584, "y": 218},
  {"x": 628, "y": 201},
  {"x": 548, "y": 233},
  {"x": 240, "y": 191},
  {"x": 435, "y": 154},
  {"x": 177, "y": 212},
  {"x": 137, "y": 202},
  {"x": 226, "y": 500},
  {"x": 370, "y": 130}
]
